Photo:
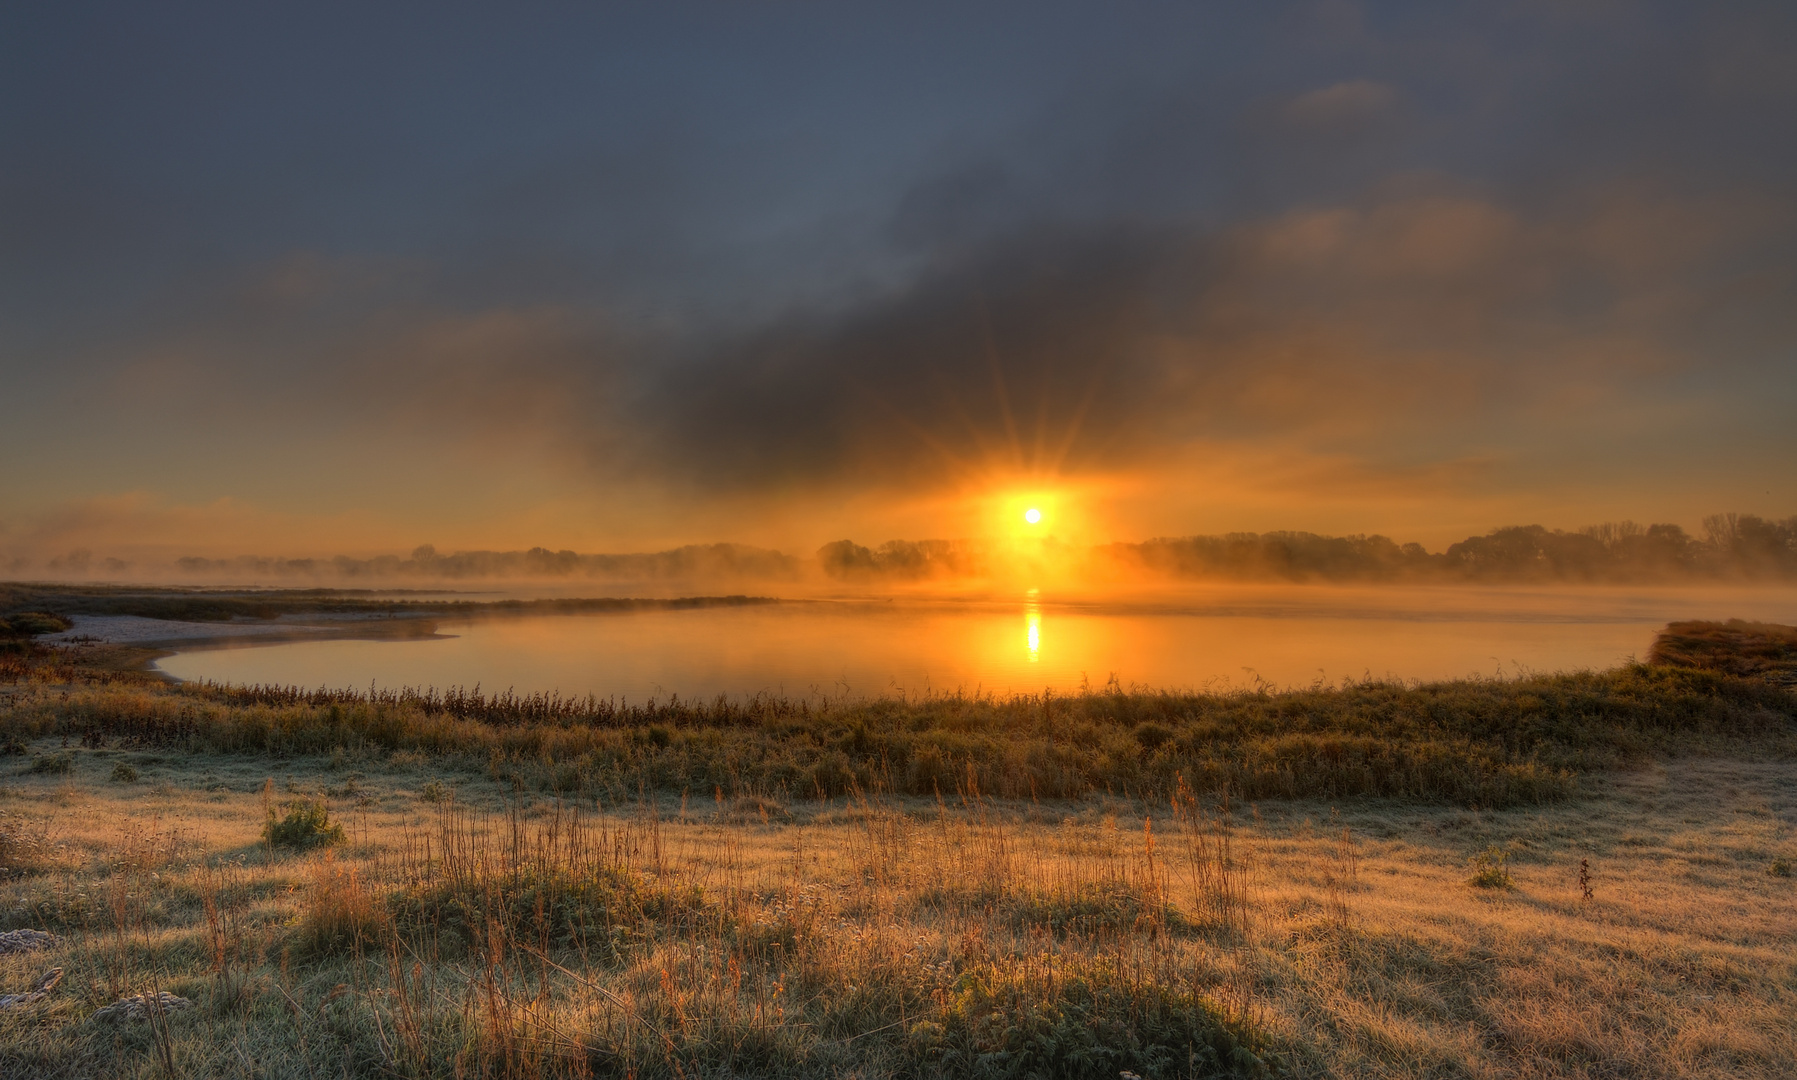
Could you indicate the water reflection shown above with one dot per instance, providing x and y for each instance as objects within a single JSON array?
[
  {"x": 1032, "y": 625},
  {"x": 1290, "y": 637}
]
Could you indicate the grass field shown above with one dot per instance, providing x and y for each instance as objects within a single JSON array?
[{"x": 543, "y": 892}]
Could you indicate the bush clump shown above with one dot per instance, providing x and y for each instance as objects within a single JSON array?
[
  {"x": 306, "y": 824},
  {"x": 1491, "y": 869},
  {"x": 32, "y": 623},
  {"x": 123, "y": 774},
  {"x": 52, "y": 764},
  {"x": 1091, "y": 1020},
  {"x": 1095, "y": 908}
]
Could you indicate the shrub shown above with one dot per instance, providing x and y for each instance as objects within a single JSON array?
[
  {"x": 434, "y": 791},
  {"x": 123, "y": 774},
  {"x": 1084, "y": 1020},
  {"x": 1491, "y": 869},
  {"x": 1780, "y": 868},
  {"x": 54, "y": 764},
  {"x": 306, "y": 824},
  {"x": 32, "y": 623}
]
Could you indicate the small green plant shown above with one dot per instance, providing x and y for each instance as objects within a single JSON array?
[
  {"x": 1491, "y": 869},
  {"x": 123, "y": 774},
  {"x": 305, "y": 824},
  {"x": 433, "y": 791},
  {"x": 55, "y": 764},
  {"x": 1780, "y": 868}
]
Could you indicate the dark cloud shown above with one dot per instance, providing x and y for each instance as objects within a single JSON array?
[
  {"x": 1028, "y": 352},
  {"x": 1062, "y": 350}
]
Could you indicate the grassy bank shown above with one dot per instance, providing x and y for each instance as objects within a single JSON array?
[{"x": 1468, "y": 743}]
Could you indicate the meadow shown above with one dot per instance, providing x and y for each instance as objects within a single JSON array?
[{"x": 1571, "y": 875}]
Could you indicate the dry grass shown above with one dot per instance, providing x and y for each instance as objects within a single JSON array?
[
  {"x": 1763, "y": 651},
  {"x": 372, "y": 887},
  {"x": 508, "y": 933}
]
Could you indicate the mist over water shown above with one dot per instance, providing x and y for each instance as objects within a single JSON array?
[{"x": 1216, "y": 637}]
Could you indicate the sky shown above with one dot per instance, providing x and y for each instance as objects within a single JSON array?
[{"x": 317, "y": 279}]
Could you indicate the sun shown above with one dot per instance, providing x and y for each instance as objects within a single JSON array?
[{"x": 1028, "y": 514}]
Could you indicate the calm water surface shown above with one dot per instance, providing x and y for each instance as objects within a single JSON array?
[{"x": 1200, "y": 638}]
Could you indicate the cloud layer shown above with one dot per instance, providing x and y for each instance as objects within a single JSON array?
[{"x": 642, "y": 279}]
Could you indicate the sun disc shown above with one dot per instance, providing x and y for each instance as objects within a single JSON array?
[{"x": 1033, "y": 516}]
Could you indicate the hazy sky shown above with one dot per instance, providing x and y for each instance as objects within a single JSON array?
[{"x": 349, "y": 278}]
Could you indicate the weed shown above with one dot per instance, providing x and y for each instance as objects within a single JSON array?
[
  {"x": 225, "y": 898},
  {"x": 1491, "y": 869},
  {"x": 434, "y": 791},
  {"x": 339, "y": 912},
  {"x": 1779, "y": 868},
  {"x": 305, "y": 824},
  {"x": 1093, "y": 908},
  {"x": 24, "y": 847},
  {"x": 1342, "y": 877}
]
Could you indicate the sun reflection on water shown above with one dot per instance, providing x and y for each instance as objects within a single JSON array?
[{"x": 1032, "y": 622}]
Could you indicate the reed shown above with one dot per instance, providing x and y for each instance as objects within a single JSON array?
[{"x": 1494, "y": 742}]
